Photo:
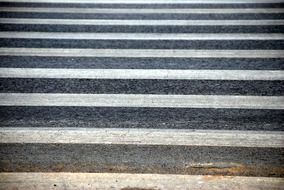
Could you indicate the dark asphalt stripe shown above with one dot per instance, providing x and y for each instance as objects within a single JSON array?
[
  {"x": 170, "y": 118},
  {"x": 202, "y": 87},
  {"x": 141, "y": 159},
  {"x": 244, "y": 5},
  {"x": 142, "y": 11},
  {"x": 143, "y": 29},
  {"x": 141, "y": 63},
  {"x": 144, "y": 44},
  {"x": 143, "y": 16}
]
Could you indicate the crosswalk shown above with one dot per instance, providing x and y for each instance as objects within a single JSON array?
[{"x": 180, "y": 90}]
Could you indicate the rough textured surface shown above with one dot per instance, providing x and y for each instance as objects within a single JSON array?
[
  {"x": 142, "y": 63},
  {"x": 112, "y": 86},
  {"x": 163, "y": 137},
  {"x": 143, "y": 16},
  {"x": 108, "y": 181},
  {"x": 142, "y": 117},
  {"x": 144, "y": 44},
  {"x": 141, "y": 159},
  {"x": 158, "y": 29},
  {"x": 163, "y": 159}
]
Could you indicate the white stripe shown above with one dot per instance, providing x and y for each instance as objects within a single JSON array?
[
  {"x": 142, "y": 36},
  {"x": 124, "y": 181},
  {"x": 181, "y": 137},
  {"x": 142, "y": 74},
  {"x": 162, "y": 53},
  {"x": 117, "y": 22},
  {"x": 148, "y": 1},
  {"x": 142, "y": 100},
  {"x": 142, "y": 10}
]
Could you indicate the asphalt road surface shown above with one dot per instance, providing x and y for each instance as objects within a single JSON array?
[{"x": 160, "y": 87}]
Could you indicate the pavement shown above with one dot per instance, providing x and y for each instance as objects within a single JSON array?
[{"x": 255, "y": 42}]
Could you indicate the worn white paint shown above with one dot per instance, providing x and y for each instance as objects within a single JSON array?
[
  {"x": 142, "y": 36},
  {"x": 142, "y": 100},
  {"x": 122, "y": 22},
  {"x": 110, "y": 181},
  {"x": 183, "y": 137},
  {"x": 163, "y": 53},
  {"x": 142, "y": 74}
]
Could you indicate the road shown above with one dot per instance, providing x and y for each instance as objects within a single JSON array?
[{"x": 184, "y": 88}]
